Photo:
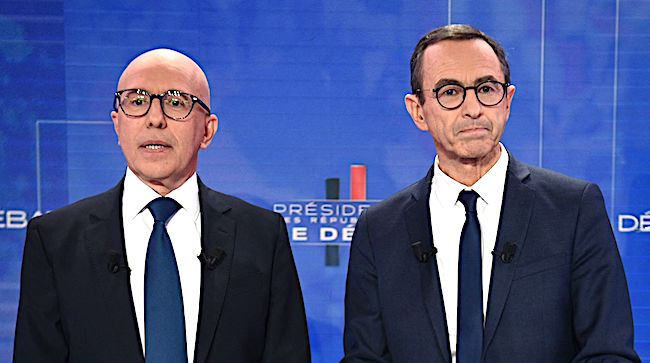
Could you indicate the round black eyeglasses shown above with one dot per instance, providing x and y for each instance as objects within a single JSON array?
[
  {"x": 451, "y": 96},
  {"x": 136, "y": 102}
]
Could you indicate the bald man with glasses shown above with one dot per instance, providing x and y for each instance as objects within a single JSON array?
[{"x": 160, "y": 268}]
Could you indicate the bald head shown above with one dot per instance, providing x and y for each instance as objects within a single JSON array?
[{"x": 166, "y": 69}]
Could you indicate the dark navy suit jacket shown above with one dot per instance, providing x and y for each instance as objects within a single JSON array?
[
  {"x": 75, "y": 299},
  {"x": 562, "y": 298}
]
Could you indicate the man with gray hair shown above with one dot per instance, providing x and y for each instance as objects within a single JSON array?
[{"x": 485, "y": 259}]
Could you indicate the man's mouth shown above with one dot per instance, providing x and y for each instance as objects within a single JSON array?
[
  {"x": 474, "y": 129},
  {"x": 154, "y": 146}
]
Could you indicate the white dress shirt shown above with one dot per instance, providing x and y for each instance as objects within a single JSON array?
[
  {"x": 184, "y": 229},
  {"x": 447, "y": 219}
]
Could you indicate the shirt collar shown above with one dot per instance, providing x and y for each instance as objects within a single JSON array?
[
  {"x": 137, "y": 195},
  {"x": 489, "y": 187},
  {"x": 187, "y": 195},
  {"x": 445, "y": 188}
]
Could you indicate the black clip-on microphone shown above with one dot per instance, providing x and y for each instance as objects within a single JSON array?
[
  {"x": 422, "y": 255},
  {"x": 211, "y": 260},
  {"x": 115, "y": 263},
  {"x": 507, "y": 253}
]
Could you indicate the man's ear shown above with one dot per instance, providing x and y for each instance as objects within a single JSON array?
[
  {"x": 116, "y": 125},
  {"x": 211, "y": 126},
  {"x": 414, "y": 109},
  {"x": 510, "y": 93}
]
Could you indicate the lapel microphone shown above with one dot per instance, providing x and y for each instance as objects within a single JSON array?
[
  {"x": 115, "y": 263},
  {"x": 211, "y": 260},
  {"x": 422, "y": 255},
  {"x": 507, "y": 253}
]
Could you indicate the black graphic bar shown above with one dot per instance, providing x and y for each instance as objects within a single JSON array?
[{"x": 332, "y": 192}]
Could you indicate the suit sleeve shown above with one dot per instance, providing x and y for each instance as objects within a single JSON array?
[
  {"x": 363, "y": 338},
  {"x": 39, "y": 333},
  {"x": 602, "y": 312},
  {"x": 287, "y": 340}
]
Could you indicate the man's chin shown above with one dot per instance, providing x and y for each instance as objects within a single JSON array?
[
  {"x": 480, "y": 152},
  {"x": 153, "y": 177}
]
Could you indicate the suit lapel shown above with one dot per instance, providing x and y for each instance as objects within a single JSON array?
[
  {"x": 217, "y": 237},
  {"x": 418, "y": 222},
  {"x": 104, "y": 243},
  {"x": 515, "y": 215}
]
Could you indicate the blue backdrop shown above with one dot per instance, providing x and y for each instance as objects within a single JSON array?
[{"x": 304, "y": 89}]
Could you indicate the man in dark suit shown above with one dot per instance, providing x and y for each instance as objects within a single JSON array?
[
  {"x": 92, "y": 285},
  {"x": 486, "y": 259}
]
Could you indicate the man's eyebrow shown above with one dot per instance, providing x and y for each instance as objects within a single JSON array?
[
  {"x": 484, "y": 79},
  {"x": 447, "y": 81}
]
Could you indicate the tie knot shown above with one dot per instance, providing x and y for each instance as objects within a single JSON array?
[
  {"x": 468, "y": 198},
  {"x": 162, "y": 208}
]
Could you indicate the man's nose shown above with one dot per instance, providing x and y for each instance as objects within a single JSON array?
[
  {"x": 156, "y": 117},
  {"x": 472, "y": 107}
]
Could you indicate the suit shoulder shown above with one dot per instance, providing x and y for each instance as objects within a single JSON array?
[
  {"x": 81, "y": 208},
  {"x": 396, "y": 201},
  {"x": 240, "y": 207},
  {"x": 552, "y": 180},
  {"x": 556, "y": 188}
]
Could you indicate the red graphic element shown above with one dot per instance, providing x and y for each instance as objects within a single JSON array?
[{"x": 358, "y": 182}]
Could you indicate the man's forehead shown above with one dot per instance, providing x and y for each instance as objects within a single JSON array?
[
  {"x": 159, "y": 70},
  {"x": 159, "y": 59},
  {"x": 462, "y": 60},
  {"x": 159, "y": 73}
]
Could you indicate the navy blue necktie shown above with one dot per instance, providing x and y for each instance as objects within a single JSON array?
[
  {"x": 469, "y": 342},
  {"x": 163, "y": 300}
]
